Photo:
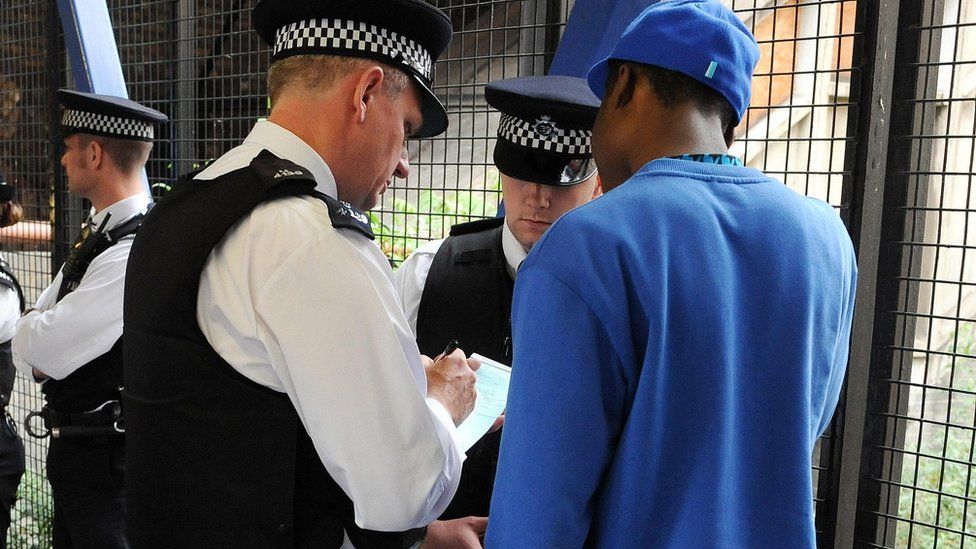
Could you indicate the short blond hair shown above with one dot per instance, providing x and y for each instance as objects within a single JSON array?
[
  {"x": 129, "y": 155},
  {"x": 320, "y": 72}
]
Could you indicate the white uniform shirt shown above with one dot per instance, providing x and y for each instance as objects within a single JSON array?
[
  {"x": 306, "y": 309},
  {"x": 9, "y": 312},
  {"x": 412, "y": 274},
  {"x": 58, "y": 338}
]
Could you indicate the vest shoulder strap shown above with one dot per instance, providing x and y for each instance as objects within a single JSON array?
[{"x": 477, "y": 226}]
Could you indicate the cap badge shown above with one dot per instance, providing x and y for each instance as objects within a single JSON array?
[{"x": 544, "y": 126}]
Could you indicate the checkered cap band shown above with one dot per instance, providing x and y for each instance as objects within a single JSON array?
[
  {"x": 333, "y": 34},
  {"x": 553, "y": 139},
  {"x": 111, "y": 125}
]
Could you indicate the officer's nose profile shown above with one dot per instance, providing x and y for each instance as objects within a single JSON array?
[{"x": 402, "y": 169}]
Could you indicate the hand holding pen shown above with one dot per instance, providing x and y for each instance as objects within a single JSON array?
[{"x": 450, "y": 381}]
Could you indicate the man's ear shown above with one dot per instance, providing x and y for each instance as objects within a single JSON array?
[
  {"x": 369, "y": 85},
  {"x": 620, "y": 86},
  {"x": 730, "y": 134},
  {"x": 95, "y": 154},
  {"x": 597, "y": 189}
]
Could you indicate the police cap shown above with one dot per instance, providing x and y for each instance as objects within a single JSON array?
[
  {"x": 107, "y": 115},
  {"x": 545, "y": 129},
  {"x": 407, "y": 34}
]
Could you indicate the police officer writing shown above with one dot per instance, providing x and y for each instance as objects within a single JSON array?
[
  {"x": 275, "y": 396},
  {"x": 71, "y": 340},
  {"x": 12, "y": 463},
  {"x": 680, "y": 343},
  {"x": 462, "y": 286}
]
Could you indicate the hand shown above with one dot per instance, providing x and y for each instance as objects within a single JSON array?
[
  {"x": 450, "y": 380},
  {"x": 462, "y": 533},
  {"x": 498, "y": 423},
  {"x": 38, "y": 375}
]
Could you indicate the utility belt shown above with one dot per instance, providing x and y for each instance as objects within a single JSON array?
[
  {"x": 8, "y": 426},
  {"x": 104, "y": 421}
]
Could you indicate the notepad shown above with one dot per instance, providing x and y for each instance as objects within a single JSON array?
[{"x": 492, "y": 385}]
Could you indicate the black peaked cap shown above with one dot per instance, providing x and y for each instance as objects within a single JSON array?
[
  {"x": 415, "y": 20},
  {"x": 107, "y": 115},
  {"x": 567, "y": 100},
  {"x": 545, "y": 130}
]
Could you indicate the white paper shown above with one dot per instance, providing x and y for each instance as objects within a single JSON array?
[{"x": 492, "y": 385}]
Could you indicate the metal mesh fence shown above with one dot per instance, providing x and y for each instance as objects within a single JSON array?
[
  {"x": 930, "y": 422},
  {"x": 25, "y": 159},
  {"x": 198, "y": 61}
]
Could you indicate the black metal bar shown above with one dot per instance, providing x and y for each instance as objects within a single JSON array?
[
  {"x": 864, "y": 190},
  {"x": 879, "y": 501},
  {"x": 554, "y": 30},
  {"x": 68, "y": 211},
  {"x": 186, "y": 87},
  {"x": 533, "y": 38},
  {"x": 881, "y": 189}
]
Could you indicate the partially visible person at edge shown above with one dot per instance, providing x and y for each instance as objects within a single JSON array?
[
  {"x": 275, "y": 396},
  {"x": 462, "y": 286},
  {"x": 72, "y": 340},
  {"x": 680, "y": 343},
  {"x": 12, "y": 464}
]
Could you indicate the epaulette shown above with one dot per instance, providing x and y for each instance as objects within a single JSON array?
[
  {"x": 273, "y": 171},
  {"x": 477, "y": 226},
  {"x": 345, "y": 216}
]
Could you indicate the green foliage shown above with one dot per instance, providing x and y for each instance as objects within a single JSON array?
[
  {"x": 400, "y": 231},
  {"x": 31, "y": 518},
  {"x": 944, "y": 472}
]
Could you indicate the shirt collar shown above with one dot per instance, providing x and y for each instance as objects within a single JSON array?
[
  {"x": 121, "y": 211},
  {"x": 514, "y": 252},
  {"x": 284, "y": 144}
]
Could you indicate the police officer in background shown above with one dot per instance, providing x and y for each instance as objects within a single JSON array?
[
  {"x": 275, "y": 396},
  {"x": 462, "y": 286},
  {"x": 12, "y": 463},
  {"x": 71, "y": 340}
]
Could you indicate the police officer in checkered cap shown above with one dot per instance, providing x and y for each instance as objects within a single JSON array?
[
  {"x": 462, "y": 286},
  {"x": 71, "y": 340},
  {"x": 274, "y": 393}
]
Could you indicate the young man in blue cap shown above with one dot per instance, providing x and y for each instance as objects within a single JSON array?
[
  {"x": 461, "y": 287},
  {"x": 702, "y": 312},
  {"x": 71, "y": 340},
  {"x": 275, "y": 396}
]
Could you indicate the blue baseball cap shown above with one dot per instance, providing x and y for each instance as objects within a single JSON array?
[{"x": 699, "y": 38}]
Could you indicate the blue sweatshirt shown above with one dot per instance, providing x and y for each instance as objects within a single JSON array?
[{"x": 680, "y": 344}]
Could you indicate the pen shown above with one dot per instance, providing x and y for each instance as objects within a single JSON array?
[{"x": 451, "y": 347}]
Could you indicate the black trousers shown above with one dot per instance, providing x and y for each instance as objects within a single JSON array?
[
  {"x": 86, "y": 478},
  {"x": 12, "y": 467}
]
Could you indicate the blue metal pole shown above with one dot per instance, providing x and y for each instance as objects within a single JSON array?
[{"x": 92, "y": 51}]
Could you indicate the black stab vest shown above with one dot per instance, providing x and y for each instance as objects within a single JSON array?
[
  {"x": 7, "y": 371},
  {"x": 215, "y": 460},
  {"x": 97, "y": 381},
  {"x": 468, "y": 296}
]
